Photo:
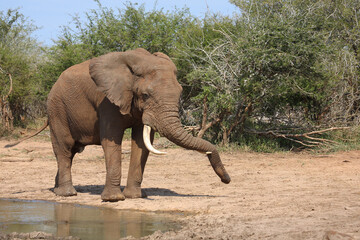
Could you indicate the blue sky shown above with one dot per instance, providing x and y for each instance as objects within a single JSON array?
[{"x": 50, "y": 15}]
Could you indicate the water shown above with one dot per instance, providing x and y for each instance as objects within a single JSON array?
[{"x": 81, "y": 221}]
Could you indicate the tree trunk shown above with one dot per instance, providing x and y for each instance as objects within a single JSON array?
[
  {"x": 7, "y": 118},
  {"x": 204, "y": 124},
  {"x": 225, "y": 140}
]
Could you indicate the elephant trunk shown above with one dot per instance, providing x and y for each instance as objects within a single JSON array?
[{"x": 172, "y": 129}]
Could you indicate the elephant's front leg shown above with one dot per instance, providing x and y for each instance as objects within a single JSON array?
[
  {"x": 139, "y": 155},
  {"x": 112, "y": 191}
]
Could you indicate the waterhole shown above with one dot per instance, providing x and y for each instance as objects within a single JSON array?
[{"x": 84, "y": 222}]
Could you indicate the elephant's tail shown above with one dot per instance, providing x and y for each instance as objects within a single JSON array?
[{"x": 26, "y": 138}]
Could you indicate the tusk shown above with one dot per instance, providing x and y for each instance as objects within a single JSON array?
[{"x": 146, "y": 137}]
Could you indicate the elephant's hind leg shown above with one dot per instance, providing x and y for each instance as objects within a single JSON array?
[
  {"x": 63, "y": 180},
  {"x": 64, "y": 153}
]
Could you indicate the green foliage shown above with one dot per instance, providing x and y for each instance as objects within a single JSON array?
[
  {"x": 19, "y": 56},
  {"x": 278, "y": 65},
  {"x": 280, "y": 59},
  {"x": 106, "y": 30},
  {"x": 252, "y": 143}
]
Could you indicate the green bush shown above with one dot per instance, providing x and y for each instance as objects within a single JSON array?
[{"x": 288, "y": 66}]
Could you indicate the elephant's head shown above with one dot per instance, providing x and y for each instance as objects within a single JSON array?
[{"x": 138, "y": 81}]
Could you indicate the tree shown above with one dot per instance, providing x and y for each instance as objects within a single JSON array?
[
  {"x": 7, "y": 118},
  {"x": 19, "y": 54},
  {"x": 107, "y": 30},
  {"x": 285, "y": 67},
  {"x": 267, "y": 64},
  {"x": 338, "y": 24}
]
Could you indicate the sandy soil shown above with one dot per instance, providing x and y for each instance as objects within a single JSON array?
[{"x": 271, "y": 196}]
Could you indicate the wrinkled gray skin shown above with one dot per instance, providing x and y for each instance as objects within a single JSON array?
[{"x": 95, "y": 101}]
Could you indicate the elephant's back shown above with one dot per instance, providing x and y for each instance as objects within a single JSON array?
[{"x": 76, "y": 86}]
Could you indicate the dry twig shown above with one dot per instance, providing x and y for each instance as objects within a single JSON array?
[
  {"x": 5, "y": 111},
  {"x": 307, "y": 139}
]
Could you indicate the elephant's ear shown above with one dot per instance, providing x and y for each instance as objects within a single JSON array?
[
  {"x": 162, "y": 55},
  {"x": 114, "y": 77}
]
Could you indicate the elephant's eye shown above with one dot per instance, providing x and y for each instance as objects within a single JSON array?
[{"x": 145, "y": 96}]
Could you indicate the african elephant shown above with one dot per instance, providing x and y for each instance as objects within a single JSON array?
[{"x": 95, "y": 101}]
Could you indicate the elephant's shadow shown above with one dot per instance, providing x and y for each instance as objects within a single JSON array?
[{"x": 97, "y": 190}]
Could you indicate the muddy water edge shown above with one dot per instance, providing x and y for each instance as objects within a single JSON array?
[{"x": 84, "y": 222}]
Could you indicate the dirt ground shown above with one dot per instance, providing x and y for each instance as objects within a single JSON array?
[{"x": 271, "y": 196}]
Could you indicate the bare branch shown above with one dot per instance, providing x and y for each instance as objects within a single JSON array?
[
  {"x": 305, "y": 139},
  {"x": 5, "y": 110},
  {"x": 11, "y": 86}
]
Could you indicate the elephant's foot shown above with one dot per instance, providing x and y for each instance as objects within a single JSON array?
[
  {"x": 112, "y": 194},
  {"x": 65, "y": 191},
  {"x": 134, "y": 192}
]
